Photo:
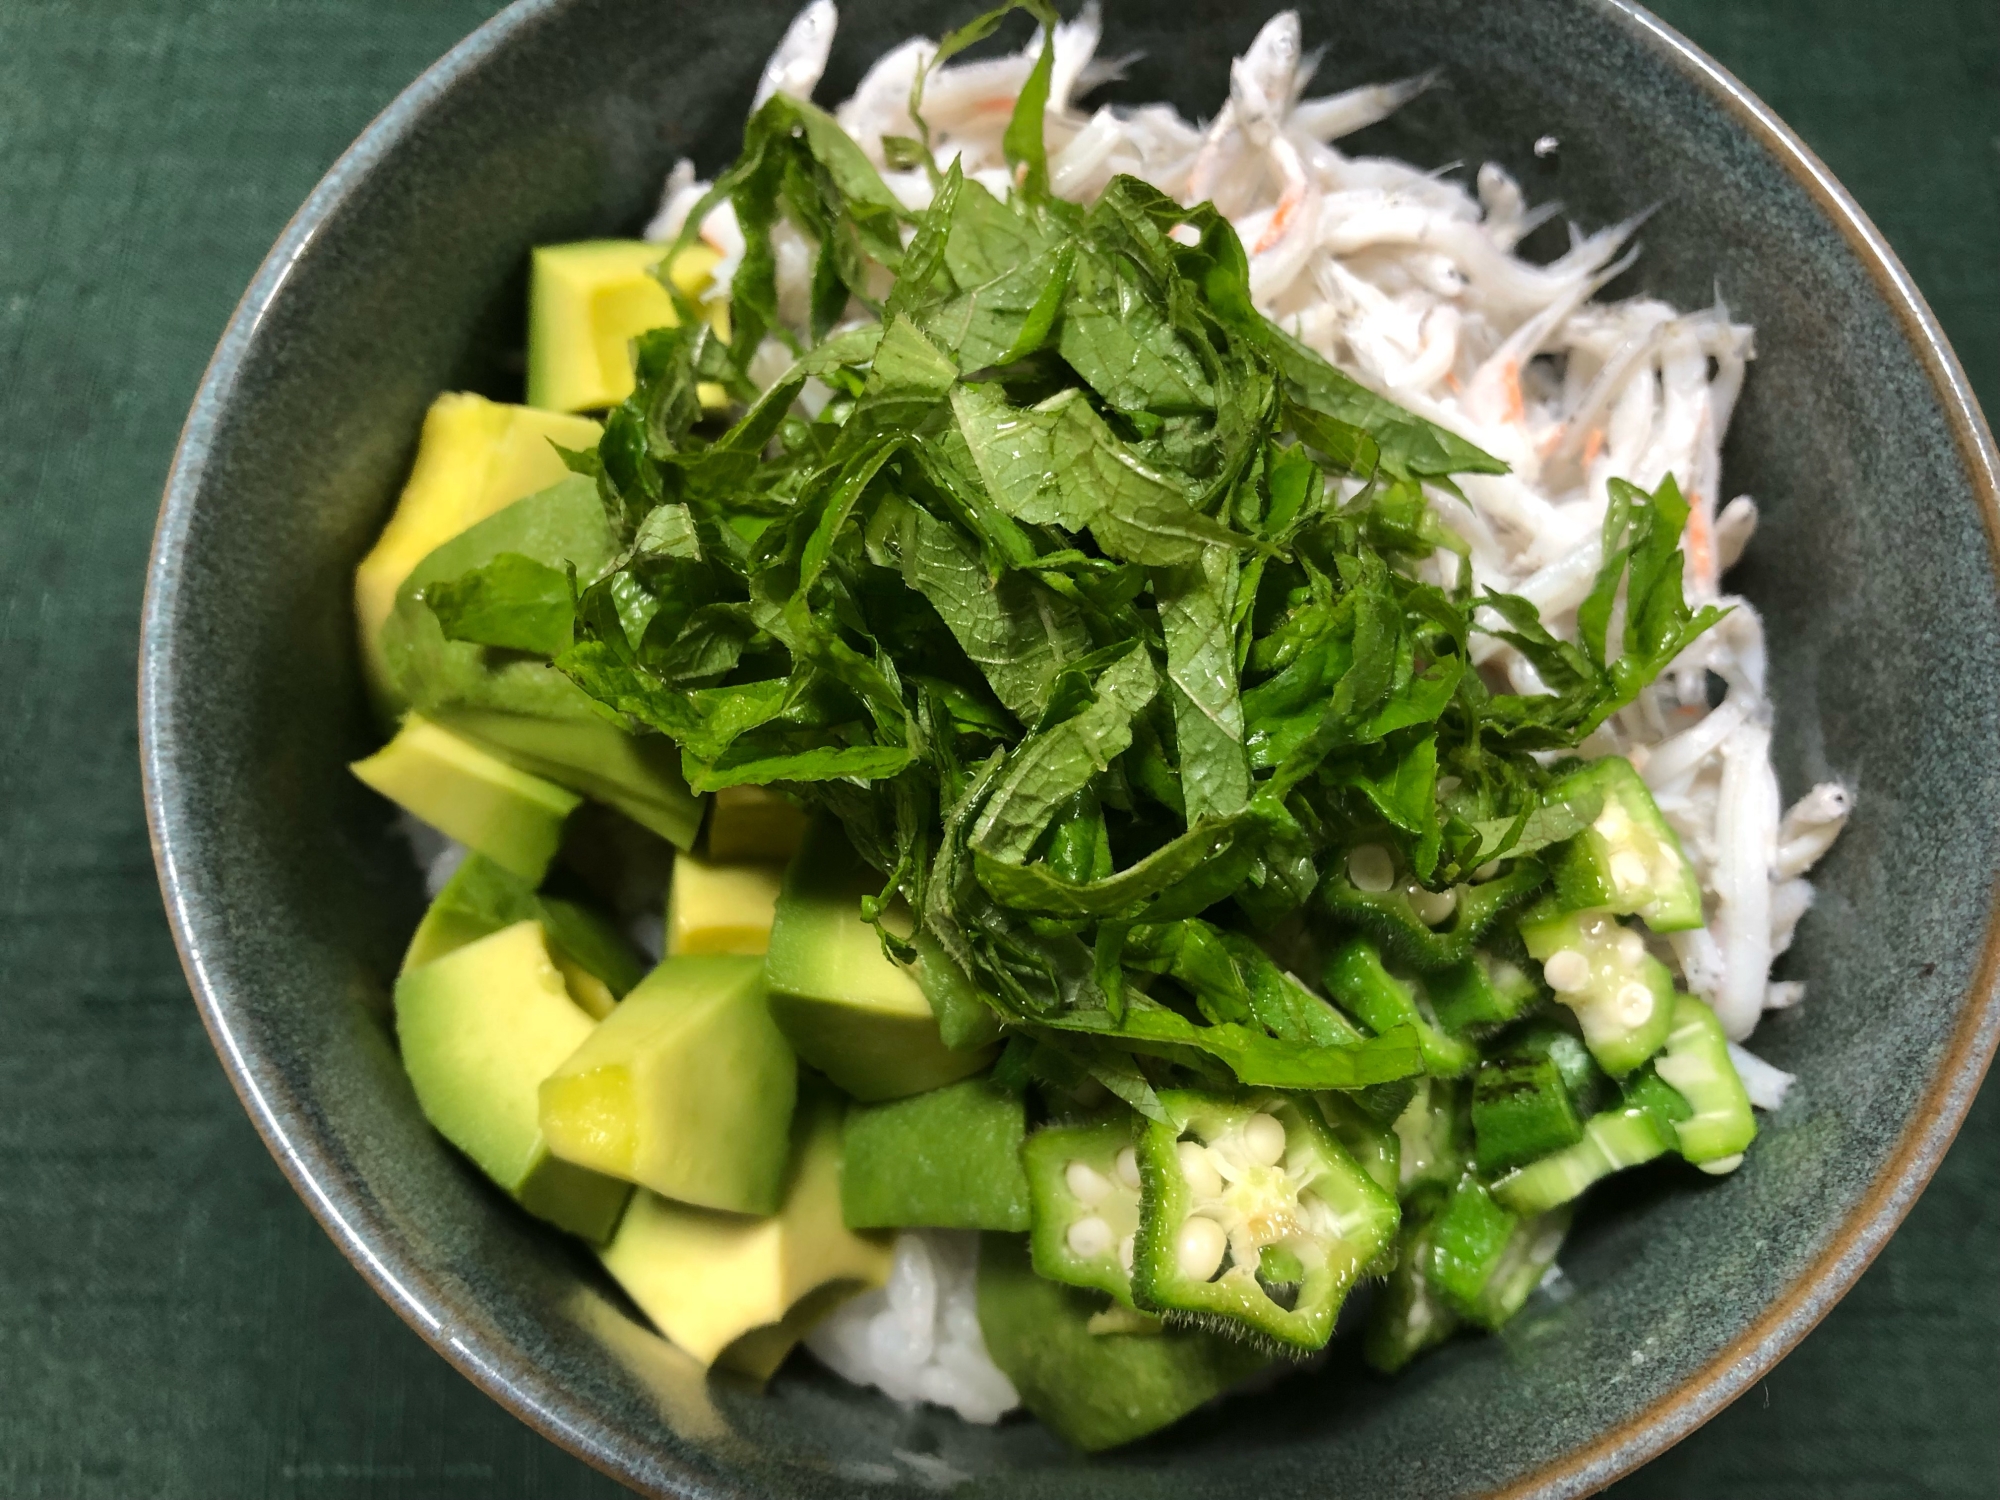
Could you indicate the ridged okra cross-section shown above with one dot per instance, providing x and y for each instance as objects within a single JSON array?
[{"x": 1255, "y": 1219}]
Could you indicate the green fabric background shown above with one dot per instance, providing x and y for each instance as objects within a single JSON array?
[{"x": 172, "y": 1321}]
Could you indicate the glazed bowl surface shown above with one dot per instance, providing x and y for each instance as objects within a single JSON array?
[{"x": 1874, "y": 564}]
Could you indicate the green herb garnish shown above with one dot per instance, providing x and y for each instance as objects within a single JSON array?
[{"x": 1085, "y": 604}]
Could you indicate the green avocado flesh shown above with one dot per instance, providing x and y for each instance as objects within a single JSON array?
[
  {"x": 522, "y": 709},
  {"x": 1096, "y": 1389},
  {"x": 846, "y": 1008},
  {"x": 686, "y": 1088},
  {"x": 947, "y": 1159},
  {"x": 467, "y": 794},
  {"x": 482, "y": 897},
  {"x": 480, "y": 1029}
]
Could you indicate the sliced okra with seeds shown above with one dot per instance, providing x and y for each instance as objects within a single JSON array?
[
  {"x": 1629, "y": 860},
  {"x": 1428, "y": 930},
  {"x": 1256, "y": 1220},
  {"x": 1083, "y": 1194},
  {"x": 1623, "y": 997}
]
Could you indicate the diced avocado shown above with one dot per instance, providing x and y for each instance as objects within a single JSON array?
[
  {"x": 947, "y": 1159},
  {"x": 756, "y": 1355},
  {"x": 474, "y": 457},
  {"x": 1096, "y": 1390},
  {"x": 848, "y": 1010},
  {"x": 594, "y": 958},
  {"x": 586, "y": 303},
  {"x": 716, "y": 907},
  {"x": 707, "y": 1278},
  {"x": 1623, "y": 997},
  {"x": 753, "y": 823},
  {"x": 638, "y": 774},
  {"x": 480, "y": 1029},
  {"x": 514, "y": 819},
  {"x": 686, "y": 1088},
  {"x": 521, "y": 708},
  {"x": 1629, "y": 860}
]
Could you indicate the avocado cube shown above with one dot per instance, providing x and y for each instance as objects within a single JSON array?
[
  {"x": 686, "y": 1088},
  {"x": 847, "y": 1009},
  {"x": 474, "y": 457},
  {"x": 1097, "y": 1390},
  {"x": 719, "y": 907},
  {"x": 480, "y": 1029},
  {"x": 586, "y": 303},
  {"x": 946, "y": 1159},
  {"x": 519, "y": 707},
  {"x": 706, "y": 1279},
  {"x": 753, "y": 823},
  {"x": 595, "y": 960},
  {"x": 514, "y": 819}
]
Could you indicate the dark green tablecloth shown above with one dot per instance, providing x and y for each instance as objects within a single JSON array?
[{"x": 172, "y": 1321}]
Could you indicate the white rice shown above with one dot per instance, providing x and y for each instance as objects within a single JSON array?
[{"x": 917, "y": 1338}]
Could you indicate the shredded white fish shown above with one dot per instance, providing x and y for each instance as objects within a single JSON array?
[{"x": 1411, "y": 282}]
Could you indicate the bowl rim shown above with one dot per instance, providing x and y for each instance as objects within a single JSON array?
[{"x": 513, "y": 1381}]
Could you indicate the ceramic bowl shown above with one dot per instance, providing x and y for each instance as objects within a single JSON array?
[{"x": 1875, "y": 566}]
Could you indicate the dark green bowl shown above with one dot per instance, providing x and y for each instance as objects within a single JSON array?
[{"x": 1875, "y": 566}]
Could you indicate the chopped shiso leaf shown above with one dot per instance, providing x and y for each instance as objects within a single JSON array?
[{"x": 1107, "y": 635}]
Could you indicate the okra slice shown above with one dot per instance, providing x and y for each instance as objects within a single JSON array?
[
  {"x": 1255, "y": 1219},
  {"x": 1697, "y": 1065},
  {"x": 1083, "y": 1196},
  {"x": 1521, "y": 1111},
  {"x": 1428, "y": 930},
  {"x": 1363, "y": 986},
  {"x": 1622, "y": 996},
  {"x": 1629, "y": 860},
  {"x": 1485, "y": 1260},
  {"x": 1485, "y": 991},
  {"x": 1433, "y": 1136},
  {"x": 1616, "y": 1139},
  {"x": 1409, "y": 1314},
  {"x": 1373, "y": 1144}
]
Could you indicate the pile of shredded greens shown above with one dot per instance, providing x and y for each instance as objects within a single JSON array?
[{"x": 1085, "y": 605}]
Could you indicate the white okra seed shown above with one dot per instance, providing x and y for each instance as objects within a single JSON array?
[
  {"x": 1126, "y": 1248},
  {"x": 1566, "y": 970},
  {"x": 1202, "y": 1178},
  {"x": 1370, "y": 868},
  {"x": 1089, "y": 1237},
  {"x": 1199, "y": 1247},
  {"x": 1635, "y": 1003},
  {"x": 1086, "y": 1184},
  {"x": 1128, "y": 1167},
  {"x": 1264, "y": 1140}
]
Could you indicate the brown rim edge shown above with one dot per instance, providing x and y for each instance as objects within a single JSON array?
[
  {"x": 1969, "y": 1054},
  {"x": 518, "y": 1386}
]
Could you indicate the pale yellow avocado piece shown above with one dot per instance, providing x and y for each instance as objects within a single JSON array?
[
  {"x": 587, "y": 302},
  {"x": 706, "y": 1278},
  {"x": 717, "y": 907},
  {"x": 514, "y": 819},
  {"x": 845, "y": 1007},
  {"x": 474, "y": 458},
  {"x": 753, "y": 822},
  {"x": 685, "y": 1088},
  {"x": 480, "y": 1029}
]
